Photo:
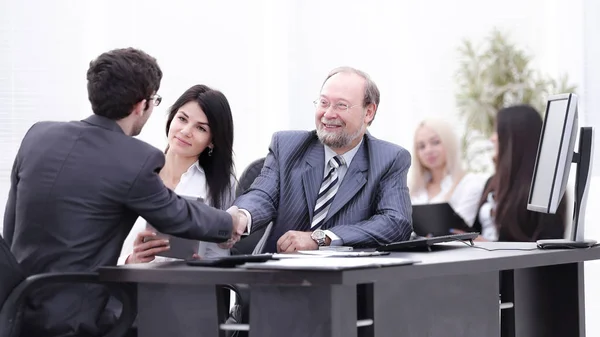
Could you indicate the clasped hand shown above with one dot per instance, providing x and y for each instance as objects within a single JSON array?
[{"x": 240, "y": 223}]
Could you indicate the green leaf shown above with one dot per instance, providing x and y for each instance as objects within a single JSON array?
[{"x": 491, "y": 76}]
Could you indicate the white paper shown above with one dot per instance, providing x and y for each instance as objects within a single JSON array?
[
  {"x": 328, "y": 263},
  {"x": 333, "y": 253}
]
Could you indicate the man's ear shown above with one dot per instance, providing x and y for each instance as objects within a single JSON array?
[
  {"x": 139, "y": 108},
  {"x": 371, "y": 109}
]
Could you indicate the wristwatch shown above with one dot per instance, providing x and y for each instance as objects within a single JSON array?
[{"x": 319, "y": 237}]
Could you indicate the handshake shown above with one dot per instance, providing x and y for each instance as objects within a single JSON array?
[{"x": 240, "y": 224}]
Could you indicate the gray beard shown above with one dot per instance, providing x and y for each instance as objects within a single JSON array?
[{"x": 337, "y": 141}]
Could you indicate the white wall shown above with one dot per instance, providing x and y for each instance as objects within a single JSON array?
[
  {"x": 269, "y": 57},
  {"x": 591, "y": 98}
]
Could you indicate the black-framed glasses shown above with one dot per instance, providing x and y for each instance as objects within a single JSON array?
[
  {"x": 324, "y": 104},
  {"x": 156, "y": 98}
]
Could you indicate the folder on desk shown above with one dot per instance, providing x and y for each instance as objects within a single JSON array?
[
  {"x": 436, "y": 219},
  {"x": 180, "y": 248}
]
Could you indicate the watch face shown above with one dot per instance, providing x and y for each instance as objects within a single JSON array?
[{"x": 318, "y": 235}]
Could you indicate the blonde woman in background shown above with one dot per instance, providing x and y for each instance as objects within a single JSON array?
[{"x": 437, "y": 175}]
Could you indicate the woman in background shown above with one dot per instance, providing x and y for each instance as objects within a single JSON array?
[
  {"x": 437, "y": 175},
  {"x": 198, "y": 163},
  {"x": 503, "y": 214}
]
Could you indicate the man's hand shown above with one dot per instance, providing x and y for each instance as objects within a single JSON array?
[
  {"x": 240, "y": 222},
  {"x": 293, "y": 241}
]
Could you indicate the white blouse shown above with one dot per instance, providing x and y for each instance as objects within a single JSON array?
[
  {"x": 464, "y": 200},
  {"x": 488, "y": 225},
  {"x": 192, "y": 183}
]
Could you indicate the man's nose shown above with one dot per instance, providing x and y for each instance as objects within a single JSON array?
[{"x": 330, "y": 113}]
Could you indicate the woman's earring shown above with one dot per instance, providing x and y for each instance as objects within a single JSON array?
[{"x": 210, "y": 150}]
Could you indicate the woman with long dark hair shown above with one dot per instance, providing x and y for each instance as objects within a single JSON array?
[
  {"x": 198, "y": 164},
  {"x": 503, "y": 214}
]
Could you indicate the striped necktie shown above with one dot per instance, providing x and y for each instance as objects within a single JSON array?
[{"x": 329, "y": 188}]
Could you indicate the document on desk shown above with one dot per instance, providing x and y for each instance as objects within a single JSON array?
[
  {"x": 330, "y": 263},
  {"x": 326, "y": 253},
  {"x": 331, "y": 253}
]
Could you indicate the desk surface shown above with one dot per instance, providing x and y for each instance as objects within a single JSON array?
[{"x": 449, "y": 259}]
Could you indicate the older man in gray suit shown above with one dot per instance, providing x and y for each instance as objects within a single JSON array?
[
  {"x": 337, "y": 185},
  {"x": 78, "y": 187}
]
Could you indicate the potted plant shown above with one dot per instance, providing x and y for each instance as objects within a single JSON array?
[{"x": 490, "y": 77}]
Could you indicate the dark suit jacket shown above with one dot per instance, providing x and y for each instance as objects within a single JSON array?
[
  {"x": 372, "y": 206},
  {"x": 76, "y": 190}
]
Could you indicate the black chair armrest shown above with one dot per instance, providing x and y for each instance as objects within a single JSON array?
[
  {"x": 11, "y": 313},
  {"x": 241, "y": 312}
]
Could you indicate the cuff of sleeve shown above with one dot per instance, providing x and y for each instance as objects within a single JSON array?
[
  {"x": 335, "y": 240},
  {"x": 122, "y": 259},
  {"x": 249, "y": 223}
]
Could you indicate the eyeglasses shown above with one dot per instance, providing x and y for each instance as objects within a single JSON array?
[
  {"x": 156, "y": 98},
  {"x": 324, "y": 104}
]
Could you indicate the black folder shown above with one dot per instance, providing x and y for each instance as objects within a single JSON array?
[{"x": 436, "y": 219}]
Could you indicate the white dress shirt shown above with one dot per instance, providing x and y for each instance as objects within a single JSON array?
[
  {"x": 487, "y": 221},
  {"x": 341, "y": 171},
  {"x": 192, "y": 183},
  {"x": 464, "y": 199}
]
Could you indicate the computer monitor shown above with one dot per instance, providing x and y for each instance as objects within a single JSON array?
[{"x": 553, "y": 163}]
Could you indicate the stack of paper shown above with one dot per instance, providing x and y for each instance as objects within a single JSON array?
[
  {"x": 329, "y": 263},
  {"x": 328, "y": 253}
]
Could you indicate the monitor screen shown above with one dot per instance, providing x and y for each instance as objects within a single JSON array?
[{"x": 549, "y": 152}]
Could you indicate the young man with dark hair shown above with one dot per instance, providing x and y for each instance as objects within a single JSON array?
[{"x": 78, "y": 187}]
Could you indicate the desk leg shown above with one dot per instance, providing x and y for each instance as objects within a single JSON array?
[
  {"x": 549, "y": 301},
  {"x": 177, "y": 310},
  {"x": 295, "y": 311},
  {"x": 455, "y": 305}
]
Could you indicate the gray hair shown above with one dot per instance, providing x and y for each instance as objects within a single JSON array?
[{"x": 371, "y": 91}]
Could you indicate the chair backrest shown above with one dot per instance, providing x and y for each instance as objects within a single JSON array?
[
  {"x": 248, "y": 176},
  {"x": 248, "y": 244},
  {"x": 11, "y": 273}
]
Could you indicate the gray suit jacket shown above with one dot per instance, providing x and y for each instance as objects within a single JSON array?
[
  {"x": 76, "y": 190},
  {"x": 372, "y": 206}
]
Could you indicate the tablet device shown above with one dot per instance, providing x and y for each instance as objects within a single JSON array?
[
  {"x": 425, "y": 244},
  {"x": 436, "y": 219},
  {"x": 180, "y": 248}
]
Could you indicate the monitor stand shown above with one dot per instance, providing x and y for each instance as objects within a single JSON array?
[{"x": 583, "y": 160}]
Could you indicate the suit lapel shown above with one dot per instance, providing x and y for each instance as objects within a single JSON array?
[
  {"x": 353, "y": 181},
  {"x": 313, "y": 175}
]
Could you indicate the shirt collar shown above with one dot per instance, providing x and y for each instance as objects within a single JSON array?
[
  {"x": 348, "y": 156},
  {"x": 196, "y": 167}
]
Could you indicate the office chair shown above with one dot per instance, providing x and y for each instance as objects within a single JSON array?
[
  {"x": 248, "y": 244},
  {"x": 15, "y": 288},
  {"x": 248, "y": 176}
]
